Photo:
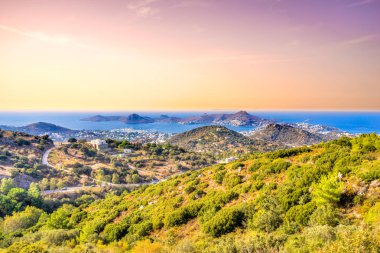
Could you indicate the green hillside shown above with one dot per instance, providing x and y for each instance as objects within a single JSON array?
[
  {"x": 319, "y": 199},
  {"x": 218, "y": 140}
]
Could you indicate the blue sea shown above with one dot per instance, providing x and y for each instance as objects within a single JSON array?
[{"x": 352, "y": 122}]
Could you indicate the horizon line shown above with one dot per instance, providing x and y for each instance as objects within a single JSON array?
[{"x": 189, "y": 110}]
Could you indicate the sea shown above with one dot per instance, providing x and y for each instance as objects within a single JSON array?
[{"x": 352, "y": 122}]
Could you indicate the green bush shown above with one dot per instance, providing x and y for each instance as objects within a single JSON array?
[
  {"x": 324, "y": 215},
  {"x": 141, "y": 229},
  {"x": 190, "y": 189},
  {"x": 183, "y": 214},
  {"x": 60, "y": 219},
  {"x": 226, "y": 220},
  {"x": 373, "y": 215},
  {"x": 219, "y": 176},
  {"x": 299, "y": 215},
  {"x": 231, "y": 180},
  {"x": 22, "y": 220},
  {"x": 58, "y": 236},
  {"x": 255, "y": 165},
  {"x": 22, "y": 142},
  {"x": 237, "y": 165}
]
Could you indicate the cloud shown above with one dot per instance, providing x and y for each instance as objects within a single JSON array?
[
  {"x": 193, "y": 3},
  {"x": 142, "y": 8},
  {"x": 254, "y": 58},
  {"x": 56, "y": 39},
  {"x": 361, "y": 40},
  {"x": 362, "y": 2},
  {"x": 60, "y": 39}
]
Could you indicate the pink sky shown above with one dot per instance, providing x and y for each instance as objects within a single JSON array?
[{"x": 189, "y": 54}]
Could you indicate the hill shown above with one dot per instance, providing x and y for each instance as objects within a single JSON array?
[
  {"x": 288, "y": 136},
  {"x": 214, "y": 139},
  {"x": 319, "y": 199},
  {"x": 241, "y": 118},
  {"x": 40, "y": 128},
  {"x": 20, "y": 152},
  {"x": 130, "y": 119}
]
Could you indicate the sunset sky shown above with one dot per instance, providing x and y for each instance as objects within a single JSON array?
[{"x": 189, "y": 54}]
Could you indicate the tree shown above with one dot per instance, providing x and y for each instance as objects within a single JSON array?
[
  {"x": 6, "y": 185},
  {"x": 53, "y": 184},
  {"x": 19, "y": 196},
  {"x": 22, "y": 220},
  {"x": 60, "y": 219},
  {"x": 226, "y": 220},
  {"x": 135, "y": 178},
  {"x": 44, "y": 184},
  {"x": 128, "y": 179},
  {"x": 328, "y": 191},
  {"x": 324, "y": 215},
  {"x": 72, "y": 140},
  {"x": 60, "y": 184},
  {"x": 35, "y": 194},
  {"x": 115, "y": 178}
]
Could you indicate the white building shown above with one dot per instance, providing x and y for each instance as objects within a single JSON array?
[
  {"x": 127, "y": 151},
  {"x": 99, "y": 144}
]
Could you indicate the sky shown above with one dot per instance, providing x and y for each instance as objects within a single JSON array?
[{"x": 189, "y": 55}]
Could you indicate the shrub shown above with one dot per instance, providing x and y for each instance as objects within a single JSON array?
[
  {"x": 329, "y": 190},
  {"x": 60, "y": 219},
  {"x": 22, "y": 220},
  {"x": 59, "y": 236},
  {"x": 299, "y": 215},
  {"x": 22, "y": 142},
  {"x": 237, "y": 165},
  {"x": 324, "y": 215},
  {"x": 183, "y": 215},
  {"x": 72, "y": 140},
  {"x": 141, "y": 229},
  {"x": 255, "y": 166},
  {"x": 371, "y": 173},
  {"x": 279, "y": 165},
  {"x": 288, "y": 152},
  {"x": 115, "y": 231},
  {"x": 190, "y": 189},
  {"x": 231, "y": 180},
  {"x": 147, "y": 246},
  {"x": 226, "y": 220},
  {"x": 268, "y": 216},
  {"x": 219, "y": 176},
  {"x": 373, "y": 215}
]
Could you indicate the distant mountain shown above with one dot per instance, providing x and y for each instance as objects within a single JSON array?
[
  {"x": 167, "y": 119},
  {"x": 99, "y": 118},
  {"x": 130, "y": 119},
  {"x": 216, "y": 139},
  {"x": 288, "y": 136},
  {"x": 136, "y": 119},
  {"x": 241, "y": 118},
  {"x": 40, "y": 128}
]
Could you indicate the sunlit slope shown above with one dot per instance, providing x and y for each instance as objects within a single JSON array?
[{"x": 319, "y": 199}]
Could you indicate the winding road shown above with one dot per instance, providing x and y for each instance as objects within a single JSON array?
[{"x": 45, "y": 158}]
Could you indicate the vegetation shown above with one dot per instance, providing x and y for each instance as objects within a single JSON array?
[
  {"x": 319, "y": 199},
  {"x": 218, "y": 140}
]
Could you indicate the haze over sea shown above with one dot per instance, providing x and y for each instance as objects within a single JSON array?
[{"x": 352, "y": 122}]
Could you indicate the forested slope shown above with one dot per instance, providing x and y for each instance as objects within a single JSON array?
[{"x": 319, "y": 199}]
